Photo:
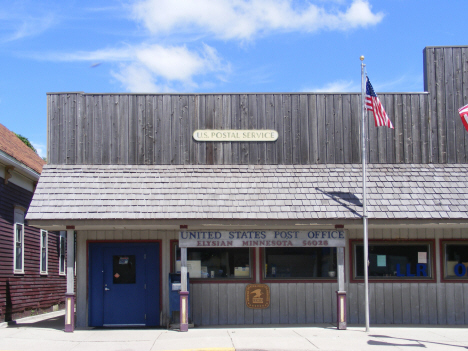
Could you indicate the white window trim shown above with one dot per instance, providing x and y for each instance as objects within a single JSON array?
[
  {"x": 63, "y": 236},
  {"x": 46, "y": 248},
  {"x": 15, "y": 270}
]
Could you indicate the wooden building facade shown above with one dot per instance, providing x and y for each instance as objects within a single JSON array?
[
  {"x": 125, "y": 169},
  {"x": 313, "y": 129}
]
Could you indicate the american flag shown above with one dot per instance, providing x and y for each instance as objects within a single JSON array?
[
  {"x": 373, "y": 104},
  {"x": 463, "y": 111}
]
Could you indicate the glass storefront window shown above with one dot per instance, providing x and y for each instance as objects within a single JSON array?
[
  {"x": 455, "y": 259},
  {"x": 300, "y": 263},
  {"x": 394, "y": 260},
  {"x": 217, "y": 263}
]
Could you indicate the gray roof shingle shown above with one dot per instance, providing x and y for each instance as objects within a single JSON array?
[{"x": 244, "y": 192}]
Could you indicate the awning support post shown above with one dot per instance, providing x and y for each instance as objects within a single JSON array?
[
  {"x": 184, "y": 291},
  {"x": 341, "y": 293},
  {"x": 70, "y": 294}
]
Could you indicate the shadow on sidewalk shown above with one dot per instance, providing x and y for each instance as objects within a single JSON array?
[
  {"x": 57, "y": 323},
  {"x": 415, "y": 342}
]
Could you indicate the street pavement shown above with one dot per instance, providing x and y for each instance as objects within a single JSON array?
[{"x": 46, "y": 333}]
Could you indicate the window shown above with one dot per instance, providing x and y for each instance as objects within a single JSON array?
[
  {"x": 455, "y": 261},
  {"x": 18, "y": 240},
  {"x": 62, "y": 240},
  {"x": 300, "y": 263},
  {"x": 124, "y": 269},
  {"x": 19, "y": 248},
  {"x": 394, "y": 260},
  {"x": 44, "y": 246},
  {"x": 216, "y": 263}
]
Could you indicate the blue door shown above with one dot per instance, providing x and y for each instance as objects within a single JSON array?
[{"x": 124, "y": 284}]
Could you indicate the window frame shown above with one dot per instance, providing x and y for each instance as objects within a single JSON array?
[
  {"x": 43, "y": 271},
  {"x": 174, "y": 243},
  {"x": 263, "y": 279},
  {"x": 431, "y": 259},
  {"x": 62, "y": 237},
  {"x": 15, "y": 242},
  {"x": 443, "y": 275}
]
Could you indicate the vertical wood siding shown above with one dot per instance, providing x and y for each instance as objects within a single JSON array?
[
  {"x": 31, "y": 292},
  {"x": 299, "y": 303},
  {"x": 157, "y": 129},
  {"x": 302, "y": 302},
  {"x": 446, "y": 80},
  {"x": 291, "y": 303}
]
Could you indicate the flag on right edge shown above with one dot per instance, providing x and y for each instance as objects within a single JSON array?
[
  {"x": 373, "y": 104},
  {"x": 463, "y": 111}
]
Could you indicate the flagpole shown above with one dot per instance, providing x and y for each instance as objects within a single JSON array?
[{"x": 364, "y": 192}]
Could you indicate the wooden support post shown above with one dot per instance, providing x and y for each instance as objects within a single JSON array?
[
  {"x": 341, "y": 293},
  {"x": 184, "y": 291},
  {"x": 257, "y": 265},
  {"x": 70, "y": 295}
]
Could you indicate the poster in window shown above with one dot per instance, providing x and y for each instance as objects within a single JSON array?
[
  {"x": 381, "y": 261},
  {"x": 422, "y": 257}
]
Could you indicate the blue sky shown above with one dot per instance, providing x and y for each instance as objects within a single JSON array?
[{"x": 212, "y": 46}]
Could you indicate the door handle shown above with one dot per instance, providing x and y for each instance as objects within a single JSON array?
[{"x": 106, "y": 289}]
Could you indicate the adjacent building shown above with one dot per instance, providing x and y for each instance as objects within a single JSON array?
[
  {"x": 32, "y": 260},
  {"x": 262, "y": 189}
]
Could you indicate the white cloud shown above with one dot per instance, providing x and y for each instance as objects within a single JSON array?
[
  {"x": 359, "y": 14},
  {"x": 339, "y": 86},
  {"x": 40, "y": 148},
  {"x": 153, "y": 68},
  {"x": 150, "y": 67},
  {"x": 18, "y": 26},
  {"x": 243, "y": 19},
  {"x": 176, "y": 63},
  {"x": 136, "y": 78},
  {"x": 108, "y": 55}
]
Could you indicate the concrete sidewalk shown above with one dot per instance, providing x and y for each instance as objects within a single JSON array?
[{"x": 46, "y": 333}]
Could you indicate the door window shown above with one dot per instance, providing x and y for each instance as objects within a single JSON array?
[{"x": 124, "y": 269}]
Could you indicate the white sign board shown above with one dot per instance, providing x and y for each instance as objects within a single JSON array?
[
  {"x": 235, "y": 135},
  {"x": 262, "y": 238}
]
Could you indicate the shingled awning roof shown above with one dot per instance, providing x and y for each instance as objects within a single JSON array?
[{"x": 250, "y": 192}]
